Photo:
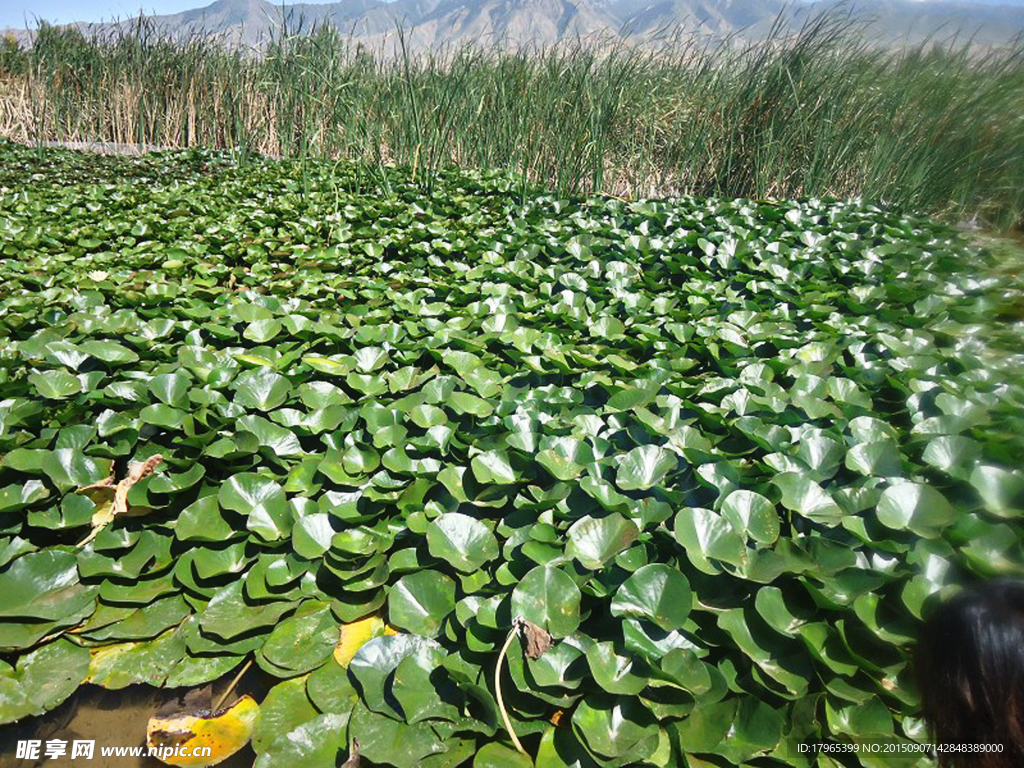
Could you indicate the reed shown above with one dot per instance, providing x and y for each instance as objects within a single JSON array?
[{"x": 938, "y": 127}]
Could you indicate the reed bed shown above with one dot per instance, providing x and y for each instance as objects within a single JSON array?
[{"x": 817, "y": 112}]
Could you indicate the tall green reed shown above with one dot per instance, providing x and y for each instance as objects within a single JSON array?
[{"x": 812, "y": 112}]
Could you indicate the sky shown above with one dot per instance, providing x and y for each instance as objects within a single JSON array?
[{"x": 14, "y": 12}]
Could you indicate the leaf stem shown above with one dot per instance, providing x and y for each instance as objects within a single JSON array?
[
  {"x": 231, "y": 687},
  {"x": 497, "y": 686}
]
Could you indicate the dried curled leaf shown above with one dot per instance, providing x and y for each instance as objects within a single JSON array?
[
  {"x": 107, "y": 482},
  {"x": 538, "y": 641},
  {"x": 181, "y": 736},
  {"x": 110, "y": 506},
  {"x": 137, "y": 470},
  {"x": 353, "y": 756}
]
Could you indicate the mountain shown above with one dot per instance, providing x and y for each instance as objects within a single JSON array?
[{"x": 430, "y": 24}]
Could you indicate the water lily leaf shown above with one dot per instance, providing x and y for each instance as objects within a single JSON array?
[
  {"x": 225, "y": 732},
  {"x": 65, "y": 353},
  {"x": 312, "y": 534},
  {"x": 368, "y": 384},
  {"x": 229, "y": 614},
  {"x": 261, "y": 389},
  {"x": 616, "y": 727},
  {"x": 69, "y": 468},
  {"x": 369, "y": 359},
  {"x": 374, "y": 663},
  {"x": 171, "y": 388},
  {"x": 43, "y": 585},
  {"x": 359, "y": 461},
  {"x": 706, "y": 536},
  {"x": 758, "y": 726},
  {"x": 122, "y": 664},
  {"x": 915, "y": 507},
  {"x": 559, "y": 748},
  {"x": 284, "y": 709},
  {"x": 17, "y": 496},
  {"x": 420, "y": 602},
  {"x": 752, "y": 514},
  {"x": 145, "y": 621},
  {"x": 417, "y": 685},
  {"x": 390, "y": 742},
  {"x": 549, "y": 598},
  {"x": 821, "y": 454},
  {"x": 168, "y": 482},
  {"x": 202, "y": 521},
  {"x": 866, "y": 719},
  {"x": 56, "y": 384},
  {"x": 772, "y": 605},
  {"x": 806, "y": 497},
  {"x": 263, "y": 330},
  {"x": 463, "y": 402},
  {"x": 42, "y": 679},
  {"x": 644, "y": 467},
  {"x": 461, "y": 540},
  {"x": 493, "y": 467},
  {"x": 495, "y": 755},
  {"x": 304, "y": 640},
  {"x": 316, "y": 742},
  {"x": 953, "y": 454},
  {"x": 191, "y": 671},
  {"x": 686, "y": 670},
  {"x": 880, "y": 458},
  {"x": 615, "y": 673},
  {"x": 328, "y": 365},
  {"x": 706, "y": 726},
  {"x": 108, "y": 351},
  {"x": 656, "y": 592},
  {"x": 560, "y": 467},
  {"x": 278, "y": 440},
  {"x": 355, "y": 635},
  {"x": 595, "y": 541},
  {"x": 1000, "y": 489},
  {"x": 331, "y": 689},
  {"x": 165, "y": 416},
  {"x": 261, "y": 500}
]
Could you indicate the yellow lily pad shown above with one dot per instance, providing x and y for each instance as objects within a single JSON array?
[
  {"x": 103, "y": 498},
  {"x": 354, "y": 636},
  {"x": 181, "y": 737}
]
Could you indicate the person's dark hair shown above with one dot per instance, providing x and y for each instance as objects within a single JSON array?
[{"x": 970, "y": 671}]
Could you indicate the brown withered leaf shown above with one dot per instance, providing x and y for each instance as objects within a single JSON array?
[
  {"x": 353, "y": 757},
  {"x": 137, "y": 470},
  {"x": 538, "y": 641},
  {"x": 107, "y": 482},
  {"x": 107, "y": 509}
]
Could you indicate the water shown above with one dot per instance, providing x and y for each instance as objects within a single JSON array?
[{"x": 117, "y": 719}]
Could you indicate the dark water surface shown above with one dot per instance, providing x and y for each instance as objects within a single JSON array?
[{"x": 117, "y": 719}]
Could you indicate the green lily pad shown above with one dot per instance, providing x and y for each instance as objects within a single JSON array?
[
  {"x": 549, "y": 598},
  {"x": 261, "y": 500},
  {"x": 42, "y": 679},
  {"x": 595, "y": 541},
  {"x": 461, "y": 540},
  {"x": 656, "y": 592},
  {"x": 644, "y": 467},
  {"x": 420, "y": 602}
]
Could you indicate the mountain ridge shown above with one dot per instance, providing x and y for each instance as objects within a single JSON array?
[{"x": 431, "y": 24}]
